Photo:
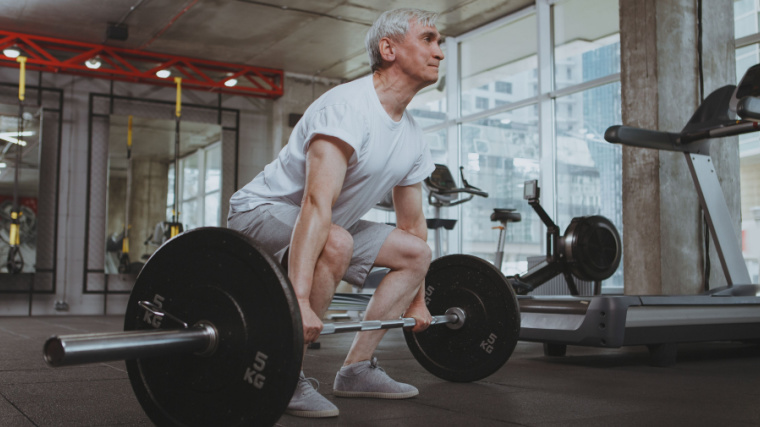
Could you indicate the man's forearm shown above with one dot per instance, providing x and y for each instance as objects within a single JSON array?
[{"x": 309, "y": 237}]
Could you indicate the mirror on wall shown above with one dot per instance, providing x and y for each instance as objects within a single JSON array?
[
  {"x": 25, "y": 185},
  {"x": 146, "y": 173}
]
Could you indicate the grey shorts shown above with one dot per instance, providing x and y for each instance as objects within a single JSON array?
[{"x": 271, "y": 226}]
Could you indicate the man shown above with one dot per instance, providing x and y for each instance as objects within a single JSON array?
[{"x": 353, "y": 145}]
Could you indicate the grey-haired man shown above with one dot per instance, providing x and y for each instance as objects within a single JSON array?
[{"x": 353, "y": 145}]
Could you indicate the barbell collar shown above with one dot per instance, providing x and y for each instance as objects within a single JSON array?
[{"x": 68, "y": 350}]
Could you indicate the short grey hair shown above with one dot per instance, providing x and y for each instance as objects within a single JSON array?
[{"x": 393, "y": 24}]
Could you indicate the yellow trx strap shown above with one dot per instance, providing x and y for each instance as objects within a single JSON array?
[
  {"x": 15, "y": 236},
  {"x": 178, "y": 80},
  {"x": 22, "y": 77},
  {"x": 174, "y": 229},
  {"x": 175, "y": 225}
]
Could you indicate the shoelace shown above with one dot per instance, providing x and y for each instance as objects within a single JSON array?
[
  {"x": 373, "y": 364},
  {"x": 313, "y": 382}
]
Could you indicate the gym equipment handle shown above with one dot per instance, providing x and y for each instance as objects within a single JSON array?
[{"x": 200, "y": 339}]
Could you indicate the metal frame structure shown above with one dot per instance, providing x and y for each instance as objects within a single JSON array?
[
  {"x": 56, "y": 55},
  {"x": 104, "y": 112},
  {"x": 51, "y": 101}
]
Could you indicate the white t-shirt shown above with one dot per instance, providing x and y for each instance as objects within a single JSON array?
[{"x": 386, "y": 154}]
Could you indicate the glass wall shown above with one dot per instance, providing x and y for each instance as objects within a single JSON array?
[
  {"x": 200, "y": 187},
  {"x": 509, "y": 121},
  {"x": 586, "y": 41},
  {"x": 499, "y": 66},
  {"x": 589, "y": 169},
  {"x": 499, "y": 153},
  {"x": 747, "y": 32}
]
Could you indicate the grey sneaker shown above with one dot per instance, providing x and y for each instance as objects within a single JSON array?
[
  {"x": 366, "y": 379},
  {"x": 308, "y": 403}
]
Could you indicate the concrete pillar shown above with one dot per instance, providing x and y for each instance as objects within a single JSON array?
[
  {"x": 663, "y": 240},
  {"x": 150, "y": 183}
]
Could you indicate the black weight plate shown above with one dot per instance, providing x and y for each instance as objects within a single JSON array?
[
  {"x": 592, "y": 247},
  {"x": 489, "y": 335},
  {"x": 219, "y": 276}
]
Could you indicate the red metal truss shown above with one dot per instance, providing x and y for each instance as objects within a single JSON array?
[{"x": 64, "y": 56}]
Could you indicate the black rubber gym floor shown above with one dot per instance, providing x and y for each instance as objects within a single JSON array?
[{"x": 712, "y": 384}]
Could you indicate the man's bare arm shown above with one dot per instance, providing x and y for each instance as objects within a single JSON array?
[
  {"x": 326, "y": 164},
  {"x": 407, "y": 201}
]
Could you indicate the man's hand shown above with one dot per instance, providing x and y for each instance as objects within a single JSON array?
[
  {"x": 420, "y": 313},
  {"x": 312, "y": 324}
]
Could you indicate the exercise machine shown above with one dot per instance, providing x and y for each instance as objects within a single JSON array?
[
  {"x": 590, "y": 249},
  {"x": 443, "y": 192},
  {"x": 662, "y": 321}
]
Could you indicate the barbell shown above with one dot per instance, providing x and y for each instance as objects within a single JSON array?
[{"x": 213, "y": 334}]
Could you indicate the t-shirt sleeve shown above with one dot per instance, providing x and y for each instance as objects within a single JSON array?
[
  {"x": 422, "y": 168},
  {"x": 339, "y": 121}
]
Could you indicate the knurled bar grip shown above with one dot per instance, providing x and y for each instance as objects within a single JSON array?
[
  {"x": 201, "y": 339},
  {"x": 374, "y": 325}
]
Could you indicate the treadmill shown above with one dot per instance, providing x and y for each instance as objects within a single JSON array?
[{"x": 731, "y": 313}]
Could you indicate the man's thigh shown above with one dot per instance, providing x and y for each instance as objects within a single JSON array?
[
  {"x": 368, "y": 237},
  {"x": 269, "y": 225}
]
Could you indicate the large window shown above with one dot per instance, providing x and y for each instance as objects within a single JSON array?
[
  {"x": 747, "y": 31},
  {"x": 499, "y": 65},
  {"x": 499, "y": 153},
  {"x": 589, "y": 169},
  {"x": 200, "y": 188},
  {"x": 586, "y": 41},
  {"x": 529, "y": 97}
]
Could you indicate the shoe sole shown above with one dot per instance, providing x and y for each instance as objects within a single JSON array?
[
  {"x": 376, "y": 395},
  {"x": 313, "y": 414}
]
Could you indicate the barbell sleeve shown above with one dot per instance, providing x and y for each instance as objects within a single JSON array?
[{"x": 67, "y": 350}]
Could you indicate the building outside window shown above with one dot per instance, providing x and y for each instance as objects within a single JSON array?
[
  {"x": 508, "y": 122},
  {"x": 747, "y": 33}
]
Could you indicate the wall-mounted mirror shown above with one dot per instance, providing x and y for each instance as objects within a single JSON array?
[
  {"x": 25, "y": 185},
  {"x": 147, "y": 175}
]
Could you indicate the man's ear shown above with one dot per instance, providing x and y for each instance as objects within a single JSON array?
[{"x": 387, "y": 49}]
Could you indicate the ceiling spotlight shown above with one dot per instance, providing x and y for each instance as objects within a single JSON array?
[
  {"x": 12, "y": 52},
  {"x": 163, "y": 73},
  {"x": 93, "y": 63},
  {"x": 230, "y": 82}
]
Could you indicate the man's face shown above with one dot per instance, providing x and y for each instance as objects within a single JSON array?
[{"x": 420, "y": 54}]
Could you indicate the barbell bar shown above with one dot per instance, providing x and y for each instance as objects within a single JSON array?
[
  {"x": 200, "y": 339},
  {"x": 213, "y": 334}
]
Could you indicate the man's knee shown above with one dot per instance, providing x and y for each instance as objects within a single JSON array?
[
  {"x": 416, "y": 257},
  {"x": 423, "y": 257},
  {"x": 338, "y": 249}
]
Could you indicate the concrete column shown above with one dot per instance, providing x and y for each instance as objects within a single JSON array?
[
  {"x": 150, "y": 183},
  {"x": 663, "y": 226}
]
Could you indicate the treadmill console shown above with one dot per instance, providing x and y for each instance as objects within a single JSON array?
[
  {"x": 531, "y": 190},
  {"x": 441, "y": 179},
  {"x": 749, "y": 86}
]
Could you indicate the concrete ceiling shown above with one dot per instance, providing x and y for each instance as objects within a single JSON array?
[{"x": 313, "y": 37}]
